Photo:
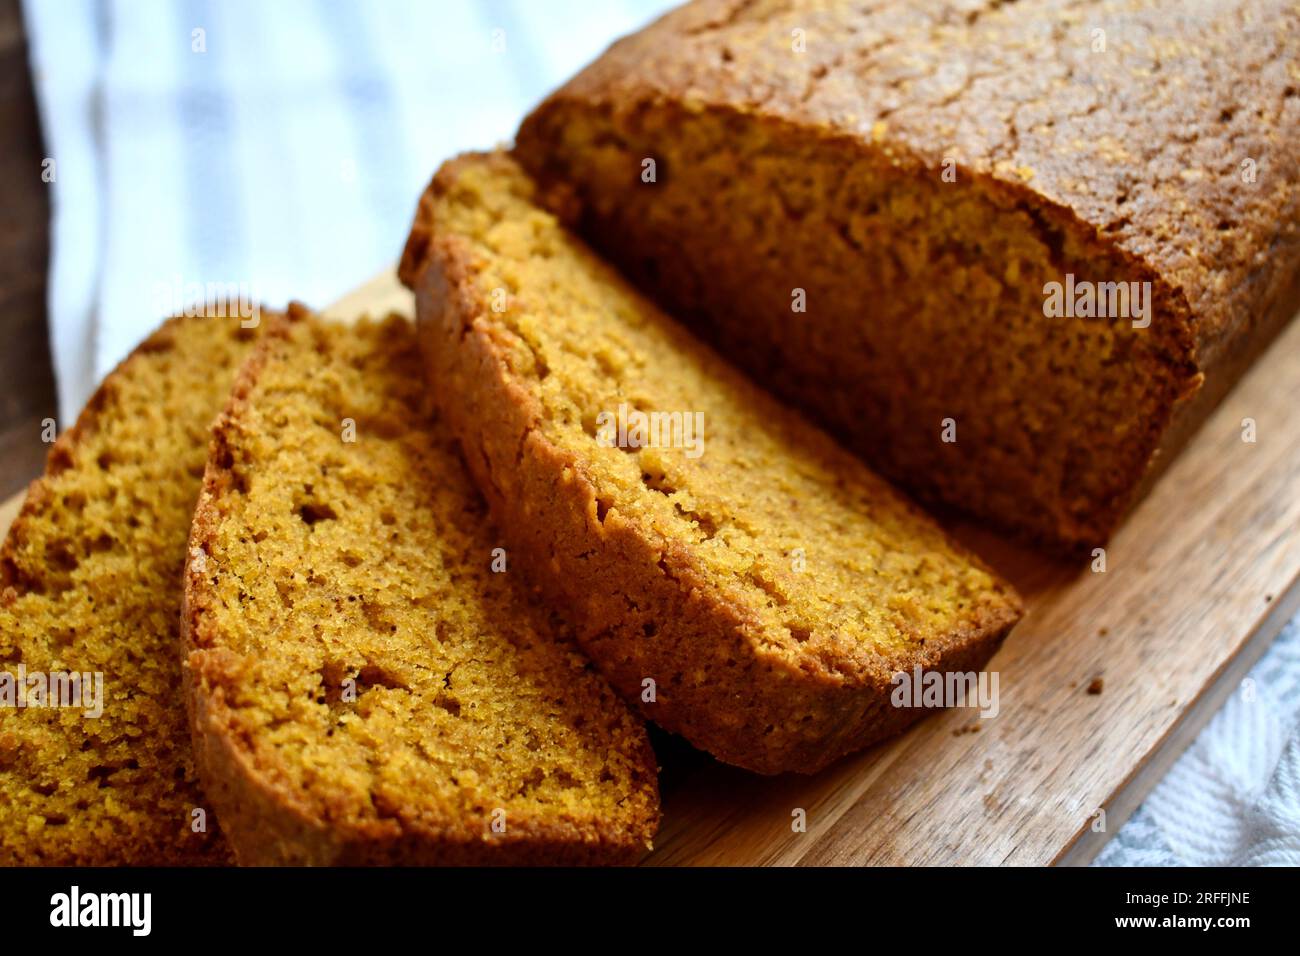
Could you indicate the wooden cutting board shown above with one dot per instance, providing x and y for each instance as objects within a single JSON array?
[{"x": 1102, "y": 686}]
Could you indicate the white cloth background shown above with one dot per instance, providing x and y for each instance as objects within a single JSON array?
[{"x": 286, "y": 159}]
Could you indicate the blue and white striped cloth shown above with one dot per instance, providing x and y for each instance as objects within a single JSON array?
[{"x": 279, "y": 147}]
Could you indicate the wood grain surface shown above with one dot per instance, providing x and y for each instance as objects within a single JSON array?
[
  {"x": 1102, "y": 685},
  {"x": 27, "y": 397}
]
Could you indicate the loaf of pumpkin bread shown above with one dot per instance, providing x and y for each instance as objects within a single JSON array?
[
  {"x": 1013, "y": 252},
  {"x": 744, "y": 580},
  {"x": 369, "y": 681}
]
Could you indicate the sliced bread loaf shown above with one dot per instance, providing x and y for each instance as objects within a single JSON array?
[
  {"x": 90, "y": 585},
  {"x": 1052, "y": 223},
  {"x": 368, "y": 681},
  {"x": 750, "y": 584}
]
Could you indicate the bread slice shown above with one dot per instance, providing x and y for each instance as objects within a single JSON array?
[
  {"x": 365, "y": 686},
  {"x": 755, "y": 589},
  {"x": 995, "y": 214},
  {"x": 90, "y": 583}
]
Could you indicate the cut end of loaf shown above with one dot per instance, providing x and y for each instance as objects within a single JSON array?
[{"x": 907, "y": 314}]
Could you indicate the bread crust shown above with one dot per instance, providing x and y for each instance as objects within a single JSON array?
[
  {"x": 543, "y": 496},
  {"x": 670, "y": 62},
  {"x": 270, "y": 824}
]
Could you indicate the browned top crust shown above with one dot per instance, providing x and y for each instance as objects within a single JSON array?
[{"x": 1110, "y": 114}]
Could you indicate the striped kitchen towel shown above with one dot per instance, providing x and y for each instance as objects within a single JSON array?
[{"x": 273, "y": 150}]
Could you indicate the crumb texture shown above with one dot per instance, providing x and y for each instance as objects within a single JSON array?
[
  {"x": 366, "y": 688},
  {"x": 798, "y": 566},
  {"x": 90, "y": 582}
]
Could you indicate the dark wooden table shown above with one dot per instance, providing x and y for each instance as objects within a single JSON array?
[{"x": 26, "y": 376}]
